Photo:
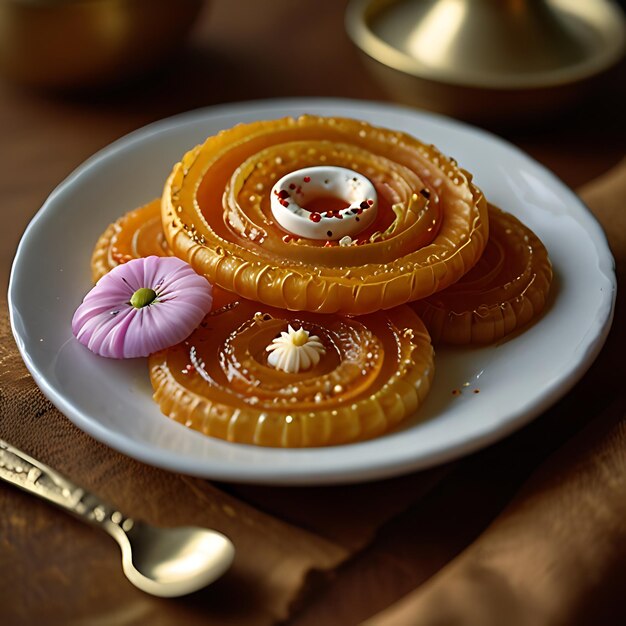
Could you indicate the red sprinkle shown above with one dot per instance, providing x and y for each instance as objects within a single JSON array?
[
  {"x": 307, "y": 179},
  {"x": 292, "y": 186},
  {"x": 370, "y": 202},
  {"x": 364, "y": 204},
  {"x": 315, "y": 217},
  {"x": 283, "y": 193}
]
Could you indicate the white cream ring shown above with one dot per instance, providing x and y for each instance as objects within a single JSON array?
[{"x": 292, "y": 192}]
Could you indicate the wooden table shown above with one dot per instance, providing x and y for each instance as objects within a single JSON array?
[{"x": 240, "y": 51}]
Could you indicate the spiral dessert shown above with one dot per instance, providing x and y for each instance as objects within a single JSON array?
[
  {"x": 316, "y": 232},
  {"x": 333, "y": 380},
  {"x": 326, "y": 215},
  {"x": 136, "y": 234},
  {"x": 505, "y": 290}
]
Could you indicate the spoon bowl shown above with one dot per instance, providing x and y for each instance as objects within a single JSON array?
[
  {"x": 171, "y": 562},
  {"x": 164, "y": 562}
]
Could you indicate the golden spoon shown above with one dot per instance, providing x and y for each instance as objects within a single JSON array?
[{"x": 164, "y": 562}]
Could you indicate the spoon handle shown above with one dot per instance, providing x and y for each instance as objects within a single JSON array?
[{"x": 31, "y": 475}]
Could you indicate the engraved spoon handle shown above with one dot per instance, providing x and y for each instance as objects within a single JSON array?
[{"x": 31, "y": 475}]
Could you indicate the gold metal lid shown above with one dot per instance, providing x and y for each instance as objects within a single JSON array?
[{"x": 490, "y": 44}]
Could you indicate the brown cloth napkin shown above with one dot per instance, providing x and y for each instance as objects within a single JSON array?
[{"x": 555, "y": 554}]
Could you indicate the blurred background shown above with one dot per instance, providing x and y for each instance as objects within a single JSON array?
[{"x": 77, "y": 74}]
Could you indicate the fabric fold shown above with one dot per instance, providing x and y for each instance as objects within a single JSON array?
[{"x": 557, "y": 554}]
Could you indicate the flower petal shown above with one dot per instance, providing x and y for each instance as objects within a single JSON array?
[{"x": 110, "y": 326}]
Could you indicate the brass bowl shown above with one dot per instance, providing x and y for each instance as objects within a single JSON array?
[
  {"x": 89, "y": 43},
  {"x": 488, "y": 60}
]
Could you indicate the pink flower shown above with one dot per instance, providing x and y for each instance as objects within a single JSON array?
[{"x": 141, "y": 307}]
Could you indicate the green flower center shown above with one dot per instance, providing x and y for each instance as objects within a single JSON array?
[{"x": 143, "y": 297}]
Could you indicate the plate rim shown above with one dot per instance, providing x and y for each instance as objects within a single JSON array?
[{"x": 302, "y": 476}]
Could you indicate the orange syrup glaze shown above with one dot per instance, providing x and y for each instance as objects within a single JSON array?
[
  {"x": 505, "y": 290},
  {"x": 376, "y": 371},
  {"x": 216, "y": 216},
  {"x": 138, "y": 233},
  {"x": 322, "y": 205}
]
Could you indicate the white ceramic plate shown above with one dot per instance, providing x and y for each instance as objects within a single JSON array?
[{"x": 111, "y": 400}]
